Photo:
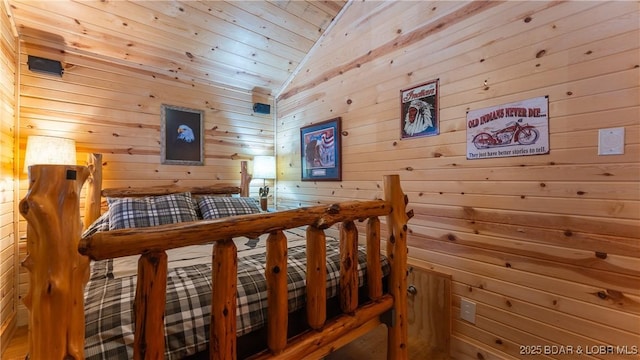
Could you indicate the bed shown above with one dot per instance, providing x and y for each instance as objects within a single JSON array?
[{"x": 332, "y": 283}]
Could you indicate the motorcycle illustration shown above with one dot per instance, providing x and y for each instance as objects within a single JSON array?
[{"x": 514, "y": 133}]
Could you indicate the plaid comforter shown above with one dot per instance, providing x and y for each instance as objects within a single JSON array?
[{"x": 109, "y": 302}]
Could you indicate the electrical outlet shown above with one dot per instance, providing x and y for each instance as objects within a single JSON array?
[
  {"x": 468, "y": 310},
  {"x": 611, "y": 141}
]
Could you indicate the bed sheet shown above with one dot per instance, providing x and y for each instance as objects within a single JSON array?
[{"x": 110, "y": 292}]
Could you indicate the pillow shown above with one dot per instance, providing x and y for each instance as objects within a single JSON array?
[
  {"x": 101, "y": 224},
  {"x": 150, "y": 211},
  {"x": 214, "y": 207}
]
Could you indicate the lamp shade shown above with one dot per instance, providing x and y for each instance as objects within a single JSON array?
[
  {"x": 43, "y": 150},
  {"x": 264, "y": 167}
]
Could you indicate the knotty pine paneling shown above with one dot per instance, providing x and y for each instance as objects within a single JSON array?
[
  {"x": 115, "y": 110},
  {"x": 547, "y": 246},
  {"x": 8, "y": 245},
  {"x": 250, "y": 46}
]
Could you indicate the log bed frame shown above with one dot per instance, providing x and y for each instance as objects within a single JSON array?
[{"x": 58, "y": 265}]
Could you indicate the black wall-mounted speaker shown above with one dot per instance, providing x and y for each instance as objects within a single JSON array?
[
  {"x": 262, "y": 108},
  {"x": 45, "y": 65}
]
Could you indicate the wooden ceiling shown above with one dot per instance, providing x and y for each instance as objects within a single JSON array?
[{"x": 250, "y": 45}]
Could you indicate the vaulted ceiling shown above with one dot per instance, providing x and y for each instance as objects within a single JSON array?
[{"x": 251, "y": 45}]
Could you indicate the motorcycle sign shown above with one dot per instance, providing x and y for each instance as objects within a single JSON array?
[
  {"x": 514, "y": 133},
  {"x": 514, "y": 129}
]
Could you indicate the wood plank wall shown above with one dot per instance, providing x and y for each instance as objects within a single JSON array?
[
  {"x": 115, "y": 110},
  {"x": 8, "y": 247},
  {"x": 547, "y": 246}
]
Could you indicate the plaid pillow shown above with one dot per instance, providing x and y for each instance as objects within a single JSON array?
[
  {"x": 101, "y": 224},
  {"x": 214, "y": 207},
  {"x": 150, "y": 211}
]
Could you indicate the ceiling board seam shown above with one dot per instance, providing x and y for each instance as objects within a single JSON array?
[
  {"x": 402, "y": 41},
  {"x": 312, "y": 50}
]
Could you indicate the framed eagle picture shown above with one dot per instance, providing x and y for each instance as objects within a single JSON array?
[{"x": 182, "y": 135}]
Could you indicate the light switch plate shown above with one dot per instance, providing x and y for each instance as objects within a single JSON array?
[
  {"x": 611, "y": 141},
  {"x": 468, "y": 310}
]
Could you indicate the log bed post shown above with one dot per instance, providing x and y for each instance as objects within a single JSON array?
[
  {"x": 245, "y": 179},
  {"x": 94, "y": 182},
  {"x": 56, "y": 270},
  {"x": 223, "y": 305},
  {"x": 348, "y": 267},
  {"x": 397, "y": 254},
  {"x": 374, "y": 272},
  {"x": 277, "y": 295},
  {"x": 148, "y": 305},
  {"x": 316, "y": 277}
]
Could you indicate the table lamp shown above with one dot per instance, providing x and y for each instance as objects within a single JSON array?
[
  {"x": 44, "y": 150},
  {"x": 264, "y": 167}
]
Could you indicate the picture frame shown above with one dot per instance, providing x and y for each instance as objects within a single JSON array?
[
  {"x": 182, "y": 135},
  {"x": 419, "y": 110},
  {"x": 321, "y": 151}
]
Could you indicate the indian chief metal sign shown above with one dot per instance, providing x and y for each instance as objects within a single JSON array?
[{"x": 419, "y": 111}]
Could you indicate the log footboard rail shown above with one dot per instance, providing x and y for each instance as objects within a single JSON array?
[{"x": 325, "y": 336}]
